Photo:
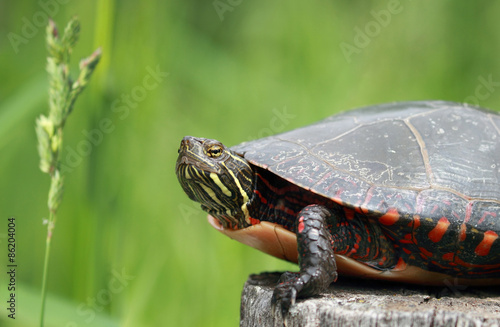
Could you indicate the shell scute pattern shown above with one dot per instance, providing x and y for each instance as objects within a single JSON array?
[
  {"x": 389, "y": 146},
  {"x": 465, "y": 156}
]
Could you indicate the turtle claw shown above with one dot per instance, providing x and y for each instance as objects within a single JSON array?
[{"x": 285, "y": 294}]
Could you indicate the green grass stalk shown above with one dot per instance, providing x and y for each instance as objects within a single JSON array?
[
  {"x": 45, "y": 270},
  {"x": 63, "y": 92}
]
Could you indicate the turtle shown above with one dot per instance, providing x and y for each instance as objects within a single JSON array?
[{"x": 405, "y": 191}]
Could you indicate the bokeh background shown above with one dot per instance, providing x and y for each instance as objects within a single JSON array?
[{"x": 129, "y": 248}]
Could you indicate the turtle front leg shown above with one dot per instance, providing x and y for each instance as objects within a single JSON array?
[{"x": 316, "y": 260}]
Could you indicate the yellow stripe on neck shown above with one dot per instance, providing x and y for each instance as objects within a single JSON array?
[
  {"x": 221, "y": 185},
  {"x": 244, "y": 195}
]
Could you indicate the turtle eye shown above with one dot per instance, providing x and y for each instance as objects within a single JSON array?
[{"x": 214, "y": 151}]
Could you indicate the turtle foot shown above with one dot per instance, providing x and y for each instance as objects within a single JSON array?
[
  {"x": 316, "y": 260},
  {"x": 286, "y": 291}
]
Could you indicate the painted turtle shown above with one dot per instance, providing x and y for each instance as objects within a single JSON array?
[{"x": 403, "y": 191}]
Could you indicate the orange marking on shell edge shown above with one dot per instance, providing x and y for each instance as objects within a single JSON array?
[
  {"x": 485, "y": 246},
  {"x": 390, "y": 217},
  {"x": 362, "y": 208},
  {"x": 407, "y": 251},
  {"x": 358, "y": 210},
  {"x": 486, "y": 214},
  {"x": 416, "y": 221},
  {"x": 448, "y": 256},
  {"x": 462, "y": 233},
  {"x": 436, "y": 234},
  {"x": 468, "y": 212}
]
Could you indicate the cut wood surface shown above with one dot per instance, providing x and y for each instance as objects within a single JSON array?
[{"x": 355, "y": 302}]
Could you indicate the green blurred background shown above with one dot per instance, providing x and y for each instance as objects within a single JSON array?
[{"x": 129, "y": 248}]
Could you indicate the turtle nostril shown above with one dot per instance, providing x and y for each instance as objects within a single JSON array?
[{"x": 185, "y": 143}]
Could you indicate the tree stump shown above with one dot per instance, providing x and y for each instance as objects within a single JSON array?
[{"x": 355, "y": 302}]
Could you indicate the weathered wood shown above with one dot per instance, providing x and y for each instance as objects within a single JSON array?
[{"x": 352, "y": 302}]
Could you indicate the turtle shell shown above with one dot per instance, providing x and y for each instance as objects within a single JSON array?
[
  {"x": 403, "y": 163},
  {"x": 444, "y": 148}
]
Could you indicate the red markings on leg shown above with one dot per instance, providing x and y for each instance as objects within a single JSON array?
[{"x": 301, "y": 224}]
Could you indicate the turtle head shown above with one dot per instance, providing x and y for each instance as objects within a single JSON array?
[{"x": 216, "y": 177}]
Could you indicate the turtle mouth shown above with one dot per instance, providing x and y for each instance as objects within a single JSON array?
[
  {"x": 183, "y": 162},
  {"x": 215, "y": 223}
]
